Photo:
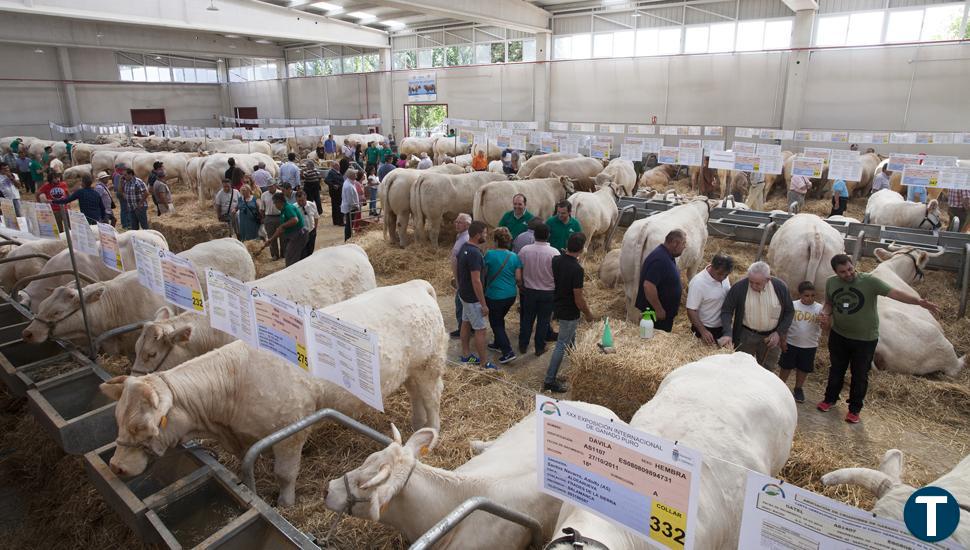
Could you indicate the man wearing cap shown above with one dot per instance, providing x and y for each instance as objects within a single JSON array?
[
  {"x": 271, "y": 216},
  {"x": 101, "y": 187}
]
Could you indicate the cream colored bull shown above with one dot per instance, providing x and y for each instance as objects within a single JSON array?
[
  {"x": 582, "y": 171},
  {"x": 395, "y": 196},
  {"x": 494, "y": 199},
  {"x": 801, "y": 250},
  {"x": 597, "y": 213},
  {"x": 437, "y": 199},
  {"x": 526, "y": 168},
  {"x": 621, "y": 174},
  {"x": 658, "y": 177}
]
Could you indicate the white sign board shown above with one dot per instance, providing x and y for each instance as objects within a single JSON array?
[
  {"x": 921, "y": 176},
  {"x": 669, "y": 155},
  {"x": 898, "y": 161},
  {"x": 110, "y": 252},
  {"x": 721, "y": 160},
  {"x": 231, "y": 306},
  {"x": 600, "y": 149},
  {"x": 30, "y": 215},
  {"x": 181, "y": 283},
  {"x": 714, "y": 131},
  {"x": 347, "y": 355},
  {"x": 713, "y": 145},
  {"x": 82, "y": 237},
  {"x": 844, "y": 154},
  {"x": 816, "y": 153},
  {"x": 642, "y": 482},
  {"x": 845, "y": 169},
  {"x": 641, "y": 129},
  {"x": 280, "y": 328},
  {"x": 954, "y": 178},
  {"x": 691, "y": 152},
  {"x": 771, "y": 164},
  {"x": 768, "y": 149},
  {"x": 631, "y": 152},
  {"x": 569, "y": 146},
  {"x": 808, "y": 167},
  {"x": 748, "y": 147},
  {"x": 9, "y": 214},
  {"x": 778, "y": 515},
  {"x": 652, "y": 145},
  {"x": 148, "y": 265}
]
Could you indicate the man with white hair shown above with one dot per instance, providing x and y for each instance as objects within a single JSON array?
[
  {"x": 262, "y": 177},
  {"x": 425, "y": 162},
  {"x": 462, "y": 222},
  {"x": 756, "y": 317}
]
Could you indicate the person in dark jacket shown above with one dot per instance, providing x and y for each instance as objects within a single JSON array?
[
  {"x": 756, "y": 315},
  {"x": 311, "y": 184},
  {"x": 88, "y": 200},
  {"x": 335, "y": 182}
]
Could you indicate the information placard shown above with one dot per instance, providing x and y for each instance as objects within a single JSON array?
[
  {"x": 110, "y": 252},
  {"x": 347, "y": 355},
  {"x": 181, "y": 283},
  {"x": 549, "y": 145},
  {"x": 559, "y": 126},
  {"x": 902, "y": 137},
  {"x": 582, "y": 127},
  {"x": 721, "y": 160},
  {"x": 816, "y": 153},
  {"x": 808, "y": 167},
  {"x": 954, "y": 178},
  {"x": 745, "y": 132},
  {"x": 772, "y": 164},
  {"x": 778, "y": 515},
  {"x": 148, "y": 265},
  {"x": 612, "y": 128},
  {"x": 920, "y": 175},
  {"x": 503, "y": 139},
  {"x": 30, "y": 214},
  {"x": 898, "y": 161},
  {"x": 280, "y": 328},
  {"x": 713, "y": 145},
  {"x": 747, "y": 163},
  {"x": 570, "y": 146},
  {"x": 669, "y": 155},
  {"x": 691, "y": 152},
  {"x": 846, "y": 169},
  {"x": 600, "y": 149},
  {"x": 642, "y": 482},
  {"x": 714, "y": 131},
  {"x": 631, "y": 152},
  {"x": 466, "y": 137},
  {"x": 652, "y": 145},
  {"x": 747, "y": 147},
  {"x": 641, "y": 129},
  {"x": 9, "y": 214},
  {"x": 768, "y": 149},
  {"x": 231, "y": 306},
  {"x": 82, "y": 237},
  {"x": 937, "y": 161},
  {"x": 517, "y": 142},
  {"x": 844, "y": 154}
]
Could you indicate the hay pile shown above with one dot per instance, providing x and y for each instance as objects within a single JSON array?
[
  {"x": 193, "y": 222},
  {"x": 625, "y": 380},
  {"x": 395, "y": 265}
]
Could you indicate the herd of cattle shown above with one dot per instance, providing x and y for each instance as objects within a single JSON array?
[{"x": 189, "y": 380}]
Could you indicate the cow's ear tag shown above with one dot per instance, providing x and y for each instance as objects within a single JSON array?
[
  {"x": 163, "y": 422},
  {"x": 424, "y": 450}
]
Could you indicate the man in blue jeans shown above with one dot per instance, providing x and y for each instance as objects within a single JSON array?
[
  {"x": 569, "y": 303},
  {"x": 537, "y": 290}
]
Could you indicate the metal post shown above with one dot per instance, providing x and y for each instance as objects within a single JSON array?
[
  {"x": 965, "y": 282},
  {"x": 249, "y": 460},
  {"x": 449, "y": 522},
  {"x": 764, "y": 239},
  {"x": 77, "y": 281},
  {"x": 860, "y": 242}
]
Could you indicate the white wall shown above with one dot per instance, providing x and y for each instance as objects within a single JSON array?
[
  {"x": 29, "y": 104},
  {"x": 265, "y": 95}
]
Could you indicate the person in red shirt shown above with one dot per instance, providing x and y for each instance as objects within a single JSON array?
[{"x": 54, "y": 189}]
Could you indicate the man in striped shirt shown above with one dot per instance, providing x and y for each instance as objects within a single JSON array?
[{"x": 959, "y": 203}]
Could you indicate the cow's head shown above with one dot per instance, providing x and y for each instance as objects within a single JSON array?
[
  {"x": 366, "y": 491},
  {"x": 142, "y": 415},
  {"x": 604, "y": 179},
  {"x": 885, "y": 483},
  {"x": 931, "y": 217},
  {"x": 568, "y": 185},
  {"x": 60, "y": 314},
  {"x": 161, "y": 344},
  {"x": 906, "y": 261}
]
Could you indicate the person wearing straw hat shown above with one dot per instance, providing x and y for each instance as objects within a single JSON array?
[{"x": 101, "y": 187}]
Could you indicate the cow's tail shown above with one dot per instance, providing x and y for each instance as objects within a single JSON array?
[
  {"x": 478, "y": 209},
  {"x": 961, "y": 362},
  {"x": 815, "y": 250},
  {"x": 383, "y": 190},
  {"x": 417, "y": 215}
]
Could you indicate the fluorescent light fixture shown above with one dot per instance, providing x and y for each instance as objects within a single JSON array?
[
  {"x": 392, "y": 24},
  {"x": 327, "y": 7},
  {"x": 262, "y": 41},
  {"x": 158, "y": 57},
  {"x": 362, "y": 15},
  {"x": 231, "y": 35},
  {"x": 38, "y": 50}
]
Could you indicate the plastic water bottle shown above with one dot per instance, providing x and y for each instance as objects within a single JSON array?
[{"x": 646, "y": 324}]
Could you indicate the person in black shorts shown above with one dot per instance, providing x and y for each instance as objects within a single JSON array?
[{"x": 798, "y": 349}]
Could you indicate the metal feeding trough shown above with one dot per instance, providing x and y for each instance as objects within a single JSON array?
[
  {"x": 11, "y": 314},
  {"x": 23, "y": 365},
  {"x": 187, "y": 499},
  {"x": 73, "y": 410}
]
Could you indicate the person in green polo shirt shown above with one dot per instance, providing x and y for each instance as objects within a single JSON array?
[
  {"x": 36, "y": 173},
  {"x": 292, "y": 228},
  {"x": 373, "y": 154},
  {"x": 384, "y": 152},
  {"x": 15, "y": 145},
  {"x": 851, "y": 312},
  {"x": 517, "y": 219},
  {"x": 562, "y": 225}
]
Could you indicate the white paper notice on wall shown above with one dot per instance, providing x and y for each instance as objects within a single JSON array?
[
  {"x": 768, "y": 149},
  {"x": 559, "y": 126},
  {"x": 669, "y": 155},
  {"x": 231, "y": 306},
  {"x": 713, "y": 145},
  {"x": 714, "y": 131},
  {"x": 570, "y": 146},
  {"x": 839, "y": 137},
  {"x": 780, "y": 515},
  {"x": 582, "y": 127},
  {"x": 846, "y": 169},
  {"x": 844, "y": 154},
  {"x": 600, "y": 149},
  {"x": 517, "y": 142},
  {"x": 148, "y": 265},
  {"x": 611, "y": 470},
  {"x": 549, "y": 145},
  {"x": 747, "y": 147},
  {"x": 652, "y": 145},
  {"x": 745, "y": 132},
  {"x": 921, "y": 176},
  {"x": 771, "y": 164},
  {"x": 899, "y": 160},
  {"x": 937, "y": 161},
  {"x": 612, "y": 128},
  {"x": 902, "y": 137},
  {"x": 641, "y": 129},
  {"x": 816, "y": 153},
  {"x": 346, "y": 355},
  {"x": 721, "y": 160},
  {"x": 631, "y": 152},
  {"x": 954, "y": 178},
  {"x": 83, "y": 239},
  {"x": 691, "y": 152}
]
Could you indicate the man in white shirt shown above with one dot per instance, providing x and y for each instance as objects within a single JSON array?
[
  {"x": 226, "y": 202},
  {"x": 798, "y": 350},
  {"x": 705, "y": 296},
  {"x": 348, "y": 150},
  {"x": 349, "y": 201},
  {"x": 538, "y": 291},
  {"x": 290, "y": 172},
  {"x": 462, "y": 222},
  {"x": 881, "y": 180},
  {"x": 797, "y": 190},
  {"x": 271, "y": 216},
  {"x": 425, "y": 162},
  {"x": 261, "y": 177},
  {"x": 311, "y": 217},
  {"x": 756, "y": 314}
]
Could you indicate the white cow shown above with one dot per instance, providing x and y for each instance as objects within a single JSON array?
[
  {"x": 212, "y": 170},
  {"x": 582, "y": 171},
  {"x": 643, "y": 236},
  {"x": 660, "y": 178},
  {"x": 83, "y": 152},
  {"x": 248, "y": 147},
  {"x": 395, "y": 196},
  {"x": 496, "y": 166},
  {"x": 11, "y": 272},
  {"x": 902, "y": 324},
  {"x": 328, "y": 276},
  {"x": 887, "y": 207},
  {"x": 439, "y": 198},
  {"x": 597, "y": 213},
  {"x": 753, "y": 429},
  {"x": 609, "y": 272},
  {"x": 495, "y": 199},
  {"x": 492, "y": 151},
  {"x": 416, "y": 145},
  {"x": 802, "y": 249},
  {"x": 526, "y": 168},
  {"x": 73, "y": 175},
  {"x": 887, "y": 485},
  {"x": 392, "y": 487},
  {"x": 237, "y": 394},
  {"x": 37, "y": 291},
  {"x": 123, "y": 300},
  {"x": 448, "y": 147},
  {"x": 621, "y": 174}
]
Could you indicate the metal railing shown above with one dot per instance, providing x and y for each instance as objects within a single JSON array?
[{"x": 449, "y": 522}]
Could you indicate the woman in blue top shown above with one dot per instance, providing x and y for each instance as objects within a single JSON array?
[
  {"x": 840, "y": 198},
  {"x": 503, "y": 274}
]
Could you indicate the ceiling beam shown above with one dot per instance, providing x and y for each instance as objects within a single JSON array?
[
  {"x": 242, "y": 17},
  {"x": 513, "y": 14},
  {"x": 799, "y": 5}
]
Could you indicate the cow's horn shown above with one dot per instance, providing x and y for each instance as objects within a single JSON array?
[
  {"x": 893, "y": 247},
  {"x": 939, "y": 252},
  {"x": 380, "y": 477}
]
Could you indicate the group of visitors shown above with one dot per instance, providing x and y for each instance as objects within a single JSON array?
[
  {"x": 532, "y": 260},
  {"x": 756, "y": 315}
]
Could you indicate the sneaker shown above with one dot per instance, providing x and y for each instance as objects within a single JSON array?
[
  {"x": 490, "y": 366},
  {"x": 455, "y": 334},
  {"x": 507, "y": 358},
  {"x": 823, "y": 406},
  {"x": 555, "y": 387},
  {"x": 494, "y": 347},
  {"x": 852, "y": 418},
  {"x": 470, "y": 360},
  {"x": 552, "y": 336},
  {"x": 799, "y": 395}
]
